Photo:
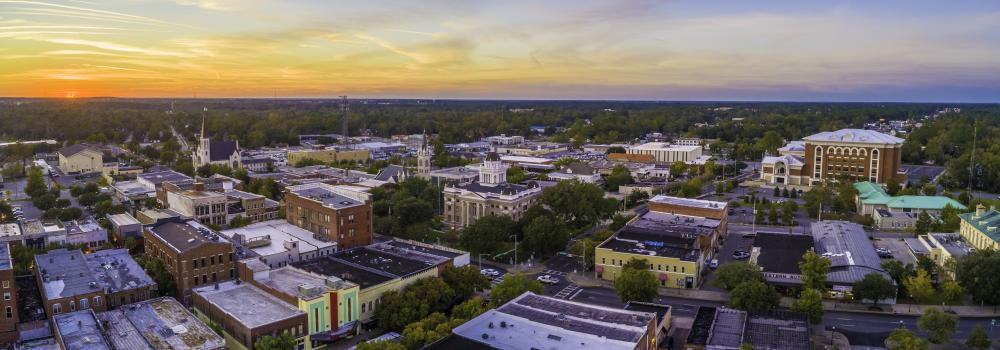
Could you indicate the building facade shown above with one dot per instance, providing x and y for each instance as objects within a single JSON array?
[
  {"x": 341, "y": 214},
  {"x": 856, "y": 154},
  {"x": 247, "y": 313},
  {"x": 81, "y": 158},
  {"x": 192, "y": 253},
  {"x": 491, "y": 195},
  {"x": 206, "y": 206},
  {"x": 8, "y": 305},
  {"x": 980, "y": 228},
  {"x": 106, "y": 279},
  {"x": 225, "y": 153},
  {"x": 666, "y": 153}
]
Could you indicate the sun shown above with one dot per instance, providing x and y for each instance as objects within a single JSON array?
[{"x": 69, "y": 94}]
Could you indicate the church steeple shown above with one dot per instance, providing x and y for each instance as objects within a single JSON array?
[{"x": 424, "y": 157}]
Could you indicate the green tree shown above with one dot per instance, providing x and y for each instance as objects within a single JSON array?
[
  {"x": 620, "y": 175},
  {"x": 772, "y": 214},
  {"x": 511, "y": 287},
  {"x": 919, "y": 287},
  {"x": 515, "y": 174},
  {"x": 578, "y": 204},
  {"x": 754, "y": 296},
  {"x": 929, "y": 189},
  {"x": 939, "y": 324},
  {"x": 977, "y": 272},
  {"x": 154, "y": 267},
  {"x": 284, "y": 341},
  {"x": 923, "y": 224},
  {"x": 978, "y": 339},
  {"x": 904, "y": 339},
  {"x": 36, "y": 183},
  {"x": 952, "y": 293},
  {"x": 873, "y": 287},
  {"x": 810, "y": 303},
  {"x": 636, "y": 283},
  {"x": 238, "y": 221},
  {"x": 545, "y": 236},
  {"x": 814, "y": 269},
  {"x": 469, "y": 309},
  {"x": 777, "y": 192},
  {"x": 435, "y": 326},
  {"x": 423, "y": 297},
  {"x": 381, "y": 345},
  {"x": 486, "y": 234},
  {"x": 677, "y": 169},
  {"x": 731, "y": 274},
  {"x": 464, "y": 280},
  {"x": 892, "y": 186}
]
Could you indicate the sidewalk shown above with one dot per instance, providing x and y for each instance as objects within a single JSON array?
[{"x": 828, "y": 305}]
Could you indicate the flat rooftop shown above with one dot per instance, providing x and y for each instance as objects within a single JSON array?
[
  {"x": 953, "y": 243},
  {"x": 69, "y": 273},
  {"x": 851, "y": 253},
  {"x": 5, "y": 260},
  {"x": 389, "y": 263},
  {"x": 423, "y": 254},
  {"x": 183, "y": 236},
  {"x": 688, "y": 202},
  {"x": 123, "y": 219},
  {"x": 267, "y": 238},
  {"x": 81, "y": 226},
  {"x": 159, "y": 177},
  {"x": 161, "y": 323},
  {"x": 540, "y": 322},
  {"x": 247, "y": 304},
  {"x": 727, "y": 330},
  {"x": 665, "y": 146},
  {"x": 781, "y": 252},
  {"x": 298, "y": 283},
  {"x": 780, "y": 330},
  {"x": 10, "y": 230},
  {"x": 80, "y": 330},
  {"x": 243, "y": 195},
  {"x": 329, "y": 266},
  {"x": 326, "y": 195}
]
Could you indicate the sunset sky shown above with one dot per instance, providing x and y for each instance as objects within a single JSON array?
[{"x": 578, "y": 49}]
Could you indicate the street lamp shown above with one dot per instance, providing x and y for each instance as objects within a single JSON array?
[
  {"x": 515, "y": 249},
  {"x": 481, "y": 259}
]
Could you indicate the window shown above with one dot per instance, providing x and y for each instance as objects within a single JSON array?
[
  {"x": 194, "y": 281},
  {"x": 602, "y": 261},
  {"x": 10, "y": 313},
  {"x": 72, "y": 305},
  {"x": 212, "y": 260},
  {"x": 683, "y": 269},
  {"x": 97, "y": 301},
  {"x": 6, "y": 284},
  {"x": 194, "y": 264},
  {"x": 363, "y": 307},
  {"x": 84, "y": 304},
  {"x": 6, "y": 295},
  {"x": 57, "y": 308}
]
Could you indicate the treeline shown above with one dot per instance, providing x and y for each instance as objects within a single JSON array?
[
  {"x": 264, "y": 122},
  {"x": 949, "y": 141}
]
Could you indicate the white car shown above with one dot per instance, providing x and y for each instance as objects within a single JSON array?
[
  {"x": 714, "y": 263},
  {"x": 489, "y": 272},
  {"x": 549, "y": 279}
]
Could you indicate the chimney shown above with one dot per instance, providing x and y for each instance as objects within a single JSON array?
[{"x": 980, "y": 210}]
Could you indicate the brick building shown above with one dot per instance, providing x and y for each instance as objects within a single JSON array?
[
  {"x": 863, "y": 155},
  {"x": 247, "y": 313},
  {"x": 192, "y": 253},
  {"x": 71, "y": 281},
  {"x": 341, "y": 214},
  {"x": 9, "y": 320}
]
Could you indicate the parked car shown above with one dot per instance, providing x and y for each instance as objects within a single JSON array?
[
  {"x": 740, "y": 255},
  {"x": 884, "y": 252},
  {"x": 489, "y": 273},
  {"x": 548, "y": 279},
  {"x": 714, "y": 263}
]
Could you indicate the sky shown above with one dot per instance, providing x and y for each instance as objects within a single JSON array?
[{"x": 916, "y": 50}]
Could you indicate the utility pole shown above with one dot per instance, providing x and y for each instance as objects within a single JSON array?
[
  {"x": 515, "y": 249},
  {"x": 343, "y": 109},
  {"x": 972, "y": 158}
]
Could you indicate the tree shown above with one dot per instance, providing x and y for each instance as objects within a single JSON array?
[
  {"x": 486, "y": 234},
  {"x": 758, "y": 215},
  {"x": 636, "y": 283},
  {"x": 814, "y": 269},
  {"x": 978, "y": 339},
  {"x": 904, "y": 339},
  {"x": 381, "y": 345},
  {"x": 545, "y": 236},
  {"x": 919, "y": 287},
  {"x": 36, "y": 183},
  {"x": 772, "y": 214},
  {"x": 923, "y": 224},
  {"x": 929, "y": 189},
  {"x": 578, "y": 204},
  {"x": 873, "y": 287},
  {"x": 423, "y": 297},
  {"x": 731, "y": 274},
  {"x": 892, "y": 186},
  {"x": 677, "y": 169},
  {"x": 418, "y": 334},
  {"x": 777, "y": 191},
  {"x": 464, "y": 280},
  {"x": 511, "y": 287},
  {"x": 952, "y": 293},
  {"x": 469, "y": 309},
  {"x": 810, "y": 303},
  {"x": 939, "y": 324},
  {"x": 754, "y": 296},
  {"x": 238, "y": 221},
  {"x": 620, "y": 175},
  {"x": 977, "y": 272},
  {"x": 284, "y": 341},
  {"x": 165, "y": 285},
  {"x": 515, "y": 174}
]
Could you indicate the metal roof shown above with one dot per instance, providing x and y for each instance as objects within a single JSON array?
[{"x": 854, "y": 136}]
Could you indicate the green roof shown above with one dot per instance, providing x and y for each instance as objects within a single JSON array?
[
  {"x": 983, "y": 223},
  {"x": 873, "y": 194}
]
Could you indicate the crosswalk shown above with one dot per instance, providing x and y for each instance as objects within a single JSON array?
[
  {"x": 497, "y": 280},
  {"x": 553, "y": 272},
  {"x": 568, "y": 292}
]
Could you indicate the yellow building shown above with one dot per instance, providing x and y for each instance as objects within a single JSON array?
[
  {"x": 945, "y": 249},
  {"x": 981, "y": 228},
  {"x": 328, "y": 155},
  {"x": 80, "y": 158},
  {"x": 675, "y": 248}
]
